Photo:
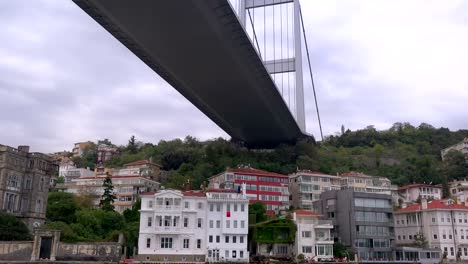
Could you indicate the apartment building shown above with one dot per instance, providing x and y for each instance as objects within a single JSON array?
[
  {"x": 362, "y": 221},
  {"x": 412, "y": 192},
  {"x": 306, "y": 186},
  {"x": 313, "y": 237},
  {"x": 24, "y": 183},
  {"x": 80, "y": 147},
  {"x": 459, "y": 190},
  {"x": 105, "y": 152},
  {"x": 194, "y": 226},
  {"x": 361, "y": 182},
  {"x": 262, "y": 186},
  {"x": 442, "y": 223},
  {"x": 461, "y": 147}
]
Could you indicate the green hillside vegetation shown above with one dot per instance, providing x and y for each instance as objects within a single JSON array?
[{"x": 404, "y": 153}]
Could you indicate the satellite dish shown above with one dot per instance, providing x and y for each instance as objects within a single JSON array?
[{"x": 36, "y": 224}]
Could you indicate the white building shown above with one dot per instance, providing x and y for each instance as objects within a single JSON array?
[
  {"x": 443, "y": 224},
  {"x": 227, "y": 228},
  {"x": 313, "y": 238},
  {"x": 173, "y": 227},
  {"x": 459, "y": 190},
  {"x": 411, "y": 193},
  {"x": 193, "y": 226}
]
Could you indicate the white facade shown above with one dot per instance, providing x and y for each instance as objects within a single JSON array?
[
  {"x": 173, "y": 226},
  {"x": 461, "y": 147},
  {"x": 193, "y": 227},
  {"x": 313, "y": 238},
  {"x": 411, "y": 193},
  {"x": 443, "y": 223},
  {"x": 459, "y": 190},
  {"x": 227, "y": 227}
]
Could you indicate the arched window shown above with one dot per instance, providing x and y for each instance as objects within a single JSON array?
[{"x": 41, "y": 184}]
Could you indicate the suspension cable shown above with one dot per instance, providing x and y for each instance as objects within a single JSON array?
[
  {"x": 255, "y": 35},
  {"x": 310, "y": 71}
]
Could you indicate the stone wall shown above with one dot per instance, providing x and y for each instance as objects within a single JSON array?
[
  {"x": 16, "y": 250},
  {"x": 97, "y": 251}
]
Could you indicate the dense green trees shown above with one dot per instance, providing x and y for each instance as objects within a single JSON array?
[
  {"x": 13, "y": 229},
  {"x": 108, "y": 197}
]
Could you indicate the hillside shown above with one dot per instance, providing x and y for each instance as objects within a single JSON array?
[{"x": 403, "y": 153}]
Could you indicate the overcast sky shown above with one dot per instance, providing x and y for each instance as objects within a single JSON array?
[{"x": 64, "y": 79}]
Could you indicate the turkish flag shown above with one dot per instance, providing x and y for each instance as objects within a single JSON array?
[{"x": 228, "y": 213}]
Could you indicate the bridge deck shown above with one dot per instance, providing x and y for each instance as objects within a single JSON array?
[{"x": 201, "y": 49}]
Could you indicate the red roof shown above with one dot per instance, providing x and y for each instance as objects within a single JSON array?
[
  {"x": 194, "y": 193},
  {"x": 306, "y": 212},
  {"x": 434, "y": 205},
  {"x": 141, "y": 162},
  {"x": 222, "y": 190},
  {"x": 252, "y": 171},
  {"x": 148, "y": 193},
  {"x": 416, "y": 185}
]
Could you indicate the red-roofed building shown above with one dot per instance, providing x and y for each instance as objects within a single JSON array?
[
  {"x": 443, "y": 224},
  {"x": 262, "y": 186},
  {"x": 412, "y": 192},
  {"x": 313, "y": 235}
]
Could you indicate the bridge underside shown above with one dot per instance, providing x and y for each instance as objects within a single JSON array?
[{"x": 201, "y": 49}]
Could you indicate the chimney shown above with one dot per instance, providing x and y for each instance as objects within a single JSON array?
[
  {"x": 423, "y": 204},
  {"x": 23, "y": 149},
  {"x": 187, "y": 185}
]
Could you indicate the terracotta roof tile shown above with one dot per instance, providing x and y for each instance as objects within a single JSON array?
[
  {"x": 415, "y": 185},
  {"x": 148, "y": 193},
  {"x": 434, "y": 205},
  {"x": 140, "y": 162},
  {"x": 194, "y": 193}
]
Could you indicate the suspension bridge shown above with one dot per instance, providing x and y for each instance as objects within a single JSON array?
[{"x": 238, "y": 61}]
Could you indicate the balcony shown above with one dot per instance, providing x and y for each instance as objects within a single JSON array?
[
  {"x": 168, "y": 229},
  {"x": 324, "y": 224},
  {"x": 168, "y": 208}
]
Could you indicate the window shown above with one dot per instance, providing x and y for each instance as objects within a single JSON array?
[
  {"x": 241, "y": 254},
  {"x": 148, "y": 242},
  {"x": 200, "y": 206},
  {"x": 331, "y": 215},
  {"x": 218, "y": 223},
  {"x": 211, "y": 223},
  {"x": 241, "y": 239},
  {"x": 186, "y": 243},
  {"x": 150, "y": 204},
  {"x": 306, "y": 233},
  {"x": 235, "y": 207},
  {"x": 242, "y": 223},
  {"x": 433, "y": 219},
  {"x": 218, "y": 207},
  {"x": 404, "y": 237},
  {"x": 218, "y": 239},
  {"x": 435, "y": 236},
  {"x": 234, "y": 238},
  {"x": 199, "y": 222},
  {"x": 185, "y": 222},
  {"x": 450, "y": 236},
  {"x": 209, "y": 253},
  {"x": 210, "y": 239},
  {"x": 410, "y": 237},
  {"x": 228, "y": 224},
  {"x": 465, "y": 251},
  {"x": 226, "y": 253},
  {"x": 235, "y": 223},
  {"x": 243, "y": 209},
  {"x": 150, "y": 220},
  {"x": 444, "y": 236},
  {"x": 228, "y": 207},
  {"x": 226, "y": 239},
  {"x": 166, "y": 242},
  {"x": 399, "y": 237},
  {"x": 452, "y": 253},
  {"x": 234, "y": 254},
  {"x": 211, "y": 207},
  {"x": 442, "y": 219},
  {"x": 307, "y": 249},
  {"x": 198, "y": 243}
]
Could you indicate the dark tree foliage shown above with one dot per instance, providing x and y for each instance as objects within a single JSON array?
[
  {"x": 258, "y": 209},
  {"x": 132, "y": 147},
  {"x": 108, "y": 197},
  {"x": 88, "y": 159},
  {"x": 61, "y": 206},
  {"x": 13, "y": 229}
]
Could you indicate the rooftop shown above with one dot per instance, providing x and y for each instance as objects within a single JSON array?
[
  {"x": 306, "y": 212},
  {"x": 256, "y": 172},
  {"x": 444, "y": 204},
  {"x": 417, "y": 185}
]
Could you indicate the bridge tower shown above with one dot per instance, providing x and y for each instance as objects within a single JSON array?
[{"x": 274, "y": 27}]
